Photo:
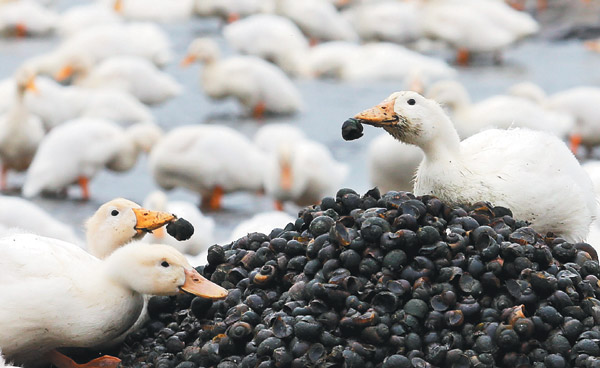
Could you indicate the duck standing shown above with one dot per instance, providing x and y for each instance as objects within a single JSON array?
[
  {"x": 20, "y": 131},
  {"x": 532, "y": 173}
]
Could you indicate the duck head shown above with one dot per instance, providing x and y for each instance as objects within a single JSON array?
[
  {"x": 157, "y": 269},
  {"x": 202, "y": 49},
  {"x": 75, "y": 65},
  {"x": 118, "y": 222},
  {"x": 25, "y": 80}
]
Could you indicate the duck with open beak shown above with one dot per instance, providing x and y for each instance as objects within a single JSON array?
[
  {"x": 381, "y": 115},
  {"x": 147, "y": 221}
]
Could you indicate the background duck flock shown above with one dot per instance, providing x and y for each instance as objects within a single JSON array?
[{"x": 227, "y": 113}]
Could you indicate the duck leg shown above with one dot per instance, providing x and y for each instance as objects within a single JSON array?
[
  {"x": 279, "y": 205},
  {"x": 542, "y": 5},
  {"x": 85, "y": 189},
  {"x": 575, "y": 142},
  {"x": 3, "y": 172},
  {"x": 462, "y": 56},
  {"x": 232, "y": 17},
  {"x": 21, "y": 30},
  {"x": 62, "y": 361},
  {"x": 259, "y": 110},
  {"x": 213, "y": 201}
]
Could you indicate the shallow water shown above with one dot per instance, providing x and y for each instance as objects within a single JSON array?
[{"x": 553, "y": 65}]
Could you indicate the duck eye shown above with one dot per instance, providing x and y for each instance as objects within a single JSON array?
[
  {"x": 165, "y": 264},
  {"x": 411, "y": 101},
  {"x": 114, "y": 212}
]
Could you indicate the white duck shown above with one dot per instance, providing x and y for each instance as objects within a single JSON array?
[
  {"x": 302, "y": 171},
  {"x": 20, "y": 131},
  {"x": 232, "y": 10},
  {"x": 374, "y": 61},
  {"x": 26, "y": 18},
  {"x": 204, "y": 226},
  {"x": 22, "y": 214},
  {"x": 102, "y": 41},
  {"x": 32, "y": 328},
  {"x": 75, "y": 151},
  {"x": 166, "y": 11},
  {"x": 500, "y": 111},
  {"x": 131, "y": 74},
  {"x": 259, "y": 85},
  {"x": 464, "y": 28},
  {"x": 392, "y": 164},
  {"x": 318, "y": 19},
  {"x": 55, "y": 104},
  {"x": 577, "y": 102},
  {"x": 388, "y": 61},
  {"x": 76, "y": 18},
  {"x": 533, "y": 173},
  {"x": 271, "y": 37},
  {"x": 207, "y": 159},
  {"x": 393, "y": 21}
]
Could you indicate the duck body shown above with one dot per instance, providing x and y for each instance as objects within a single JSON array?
[
  {"x": 516, "y": 176},
  {"x": 24, "y": 215},
  {"x": 391, "y": 21},
  {"x": 579, "y": 102},
  {"x": 76, "y": 18},
  {"x": 79, "y": 149},
  {"x": 54, "y": 268},
  {"x": 251, "y": 81},
  {"x": 271, "y": 37},
  {"x": 463, "y": 27},
  {"x": 56, "y": 104},
  {"x": 26, "y": 18},
  {"x": 165, "y": 11},
  {"x": 201, "y": 158},
  {"x": 318, "y": 19},
  {"x": 530, "y": 172},
  {"x": 20, "y": 131},
  {"x": 134, "y": 75}
]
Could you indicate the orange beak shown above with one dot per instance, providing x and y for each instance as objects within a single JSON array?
[
  {"x": 286, "y": 179},
  {"x": 118, "y": 6},
  {"x": 200, "y": 286},
  {"x": 188, "y": 60},
  {"x": 380, "y": 115},
  {"x": 151, "y": 220},
  {"x": 64, "y": 73},
  {"x": 30, "y": 86}
]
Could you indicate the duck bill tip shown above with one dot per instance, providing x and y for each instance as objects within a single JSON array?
[{"x": 200, "y": 286}]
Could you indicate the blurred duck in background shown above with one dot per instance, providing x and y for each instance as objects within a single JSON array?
[
  {"x": 211, "y": 160},
  {"x": 20, "y": 131},
  {"x": 261, "y": 87},
  {"x": 77, "y": 150}
]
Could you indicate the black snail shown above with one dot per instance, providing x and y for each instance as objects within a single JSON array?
[{"x": 385, "y": 281}]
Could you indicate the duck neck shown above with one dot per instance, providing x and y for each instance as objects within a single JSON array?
[{"x": 444, "y": 145}]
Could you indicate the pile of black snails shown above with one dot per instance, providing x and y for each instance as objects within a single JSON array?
[{"x": 385, "y": 281}]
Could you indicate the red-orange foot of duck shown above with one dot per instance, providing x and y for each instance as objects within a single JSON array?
[
  {"x": 232, "y": 17},
  {"x": 517, "y": 4},
  {"x": 85, "y": 189},
  {"x": 575, "y": 142},
  {"x": 313, "y": 41},
  {"x": 462, "y": 56},
  {"x": 213, "y": 201},
  {"x": 542, "y": 5},
  {"x": 279, "y": 205},
  {"x": 3, "y": 183},
  {"x": 62, "y": 361},
  {"x": 21, "y": 30},
  {"x": 259, "y": 110}
]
